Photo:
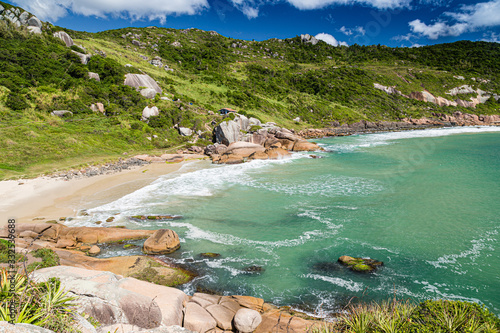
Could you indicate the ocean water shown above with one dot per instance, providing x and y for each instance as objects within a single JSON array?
[{"x": 425, "y": 202}]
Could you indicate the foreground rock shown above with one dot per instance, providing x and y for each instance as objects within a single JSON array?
[
  {"x": 113, "y": 299},
  {"x": 360, "y": 264}
]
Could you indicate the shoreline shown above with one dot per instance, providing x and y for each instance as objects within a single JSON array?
[{"x": 52, "y": 198}]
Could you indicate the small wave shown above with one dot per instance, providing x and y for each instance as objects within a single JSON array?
[
  {"x": 204, "y": 182},
  {"x": 387, "y": 138},
  {"x": 326, "y": 186},
  {"x": 478, "y": 245},
  {"x": 227, "y": 239},
  {"x": 347, "y": 284}
]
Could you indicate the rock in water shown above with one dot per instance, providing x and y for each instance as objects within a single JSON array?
[
  {"x": 247, "y": 320},
  {"x": 163, "y": 241},
  {"x": 360, "y": 264},
  {"x": 65, "y": 38}
]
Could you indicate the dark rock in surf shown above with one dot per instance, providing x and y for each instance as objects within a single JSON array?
[{"x": 360, "y": 264}]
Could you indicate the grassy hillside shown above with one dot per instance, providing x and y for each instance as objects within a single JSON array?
[{"x": 273, "y": 80}]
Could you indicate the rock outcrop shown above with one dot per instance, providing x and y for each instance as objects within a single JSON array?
[
  {"x": 149, "y": 93},
  {"x": 62, "y": 35},
  {"x": 60, "y": 234},
  {"x": 141, "y": 80},
  {"x": 247, "y": 320},
  {"x": 162, "y": 241},
  {"x": 426, "y": 96},
  {"x": 113, "y": 299},
  {"x": 245, "y": 139}
]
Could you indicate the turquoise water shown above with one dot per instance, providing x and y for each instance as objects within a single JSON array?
[{"x": 423, "y": 202}]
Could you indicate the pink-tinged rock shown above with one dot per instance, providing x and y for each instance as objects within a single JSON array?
[
  {"x": 222, "y": 315},
  {"x": 247, "y": 320},
  {"x": 198, "y": 319},
  {"x": 162, "y": 241}
]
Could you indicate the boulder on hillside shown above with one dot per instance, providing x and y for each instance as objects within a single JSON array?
[
  {"x": 150, "y": 112},
  {"x": 62, "y": 113},
  {"x": 84, "y": 58},
  {"x": 148, "y": 93},
  {"x": 98, "y": 107},
  {"x": 65, "y": 38},
  {"x": 184, "y": 131},
  {"x": 35, "y": 22},
  {"x": 162, "y": 241},
  {"x": 141, "y": 80},
  {"x": 94, "y": 76},
  {"x": 227, "y": 132}
]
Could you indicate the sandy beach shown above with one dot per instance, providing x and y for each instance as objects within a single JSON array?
[{"x": 53, "y": 198}]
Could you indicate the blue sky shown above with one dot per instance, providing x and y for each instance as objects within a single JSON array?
[{"x": 366, "y": 22}]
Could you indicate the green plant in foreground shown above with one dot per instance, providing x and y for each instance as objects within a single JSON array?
[{"x": 44, "y": 304}]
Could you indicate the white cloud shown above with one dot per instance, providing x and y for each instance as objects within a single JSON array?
[
  {"x": 438, "y": 29},
  {"x": 248, "y": 7},
  {"x": 469, "y": 18},
  {"x": 491, "y": 37},
  {"x": 318, "y": 4},
  {"x": 360, "y": 31},
  {"x": 329, "y": 39},
  {"x": 346, "y": 31},
  {"x": 134, "y": 9}
]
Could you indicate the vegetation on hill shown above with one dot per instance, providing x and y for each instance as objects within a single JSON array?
[{"x": 273, "y": 80}]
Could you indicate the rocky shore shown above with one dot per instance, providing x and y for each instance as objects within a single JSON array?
[
  {"x": 114, "y": 292},
  {"x": 438, "y": 120}
]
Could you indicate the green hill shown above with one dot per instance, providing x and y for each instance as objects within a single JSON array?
[{"x": 273, "y": 80}]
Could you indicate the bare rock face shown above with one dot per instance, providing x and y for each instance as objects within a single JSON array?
[
  {"x": 163, "y": 241},
  {"x": 112, "y": 299},
  {"x": 227, "y": 132},
  {"x": 84, "y": 58},
  {"x": 65, "y": 38},
  {"x": 35, "y": 30},
  {"x": 141, "y": 80},
  {"x": 247, "y": 320},
  {"x": 35, "y": 22}
]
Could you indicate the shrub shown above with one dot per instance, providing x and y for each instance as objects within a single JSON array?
[
  {"x": 43, "y": 304},
  {"x": 453, "y": 316},
  {"x": 17, "y": 102}
]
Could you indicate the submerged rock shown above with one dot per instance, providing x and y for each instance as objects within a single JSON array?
[
  {"x": 209, "y": 255},
  {"x": 254, "y": 269},
  {"x": 360, "y": 264}
]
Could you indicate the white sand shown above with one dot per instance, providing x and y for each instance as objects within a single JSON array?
[{"x": 52, "y": 198}]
